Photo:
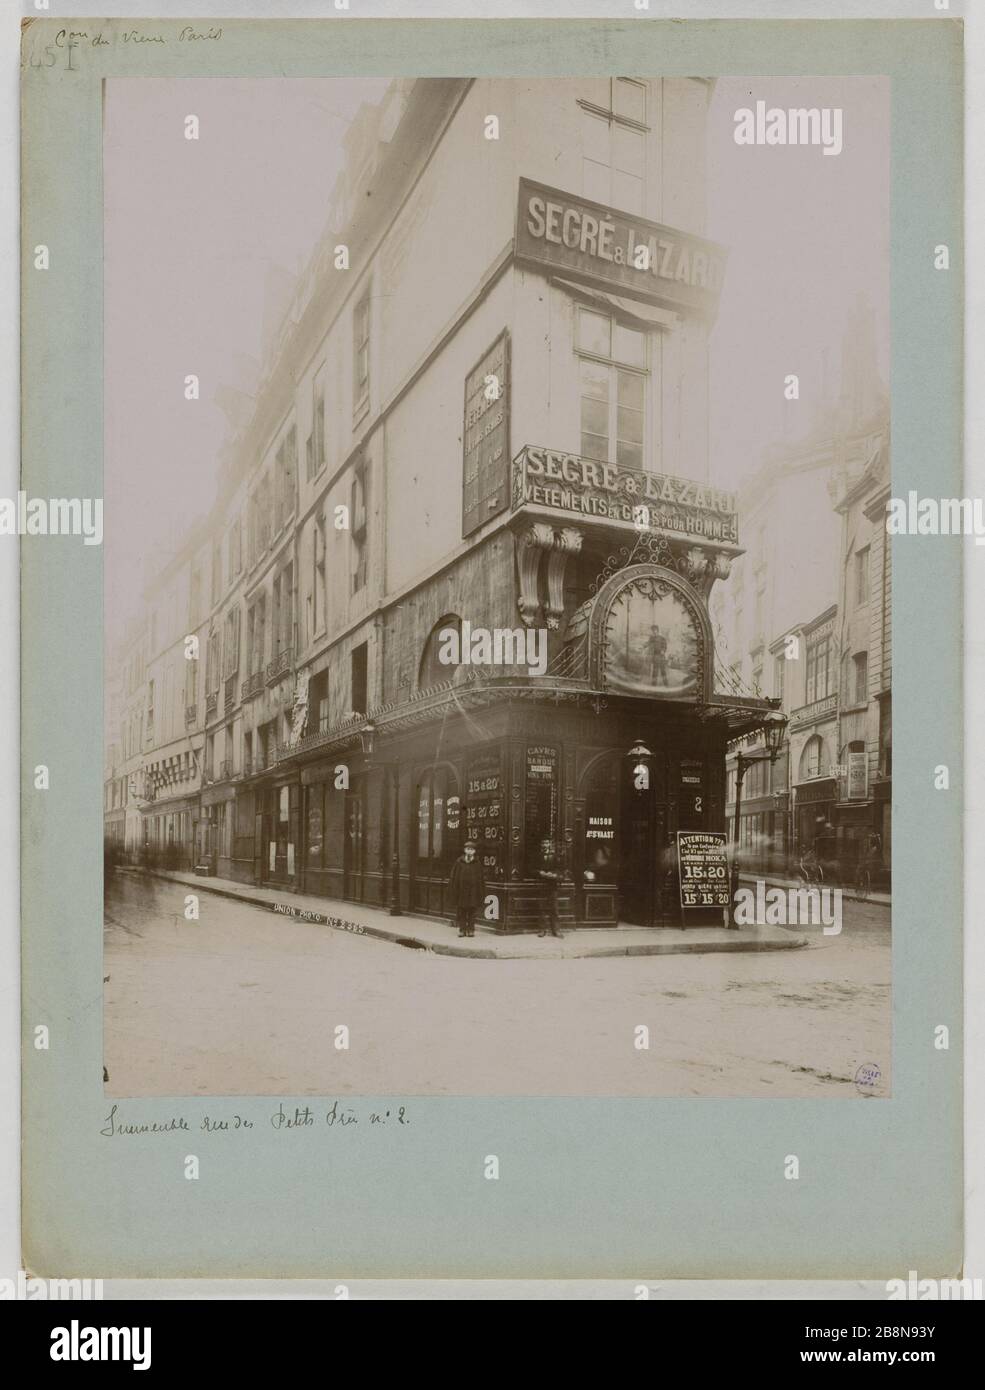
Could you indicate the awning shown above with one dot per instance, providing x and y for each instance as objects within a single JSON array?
[{"x": 645, "y": 315}]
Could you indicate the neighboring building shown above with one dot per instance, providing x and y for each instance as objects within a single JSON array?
[
  {"x": 795, "y": 565},
  {"x": 485, "y": 412},
  {"x": 865, "y": 745}
]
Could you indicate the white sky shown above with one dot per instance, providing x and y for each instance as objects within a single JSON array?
[{"x": 196, "y": 226}]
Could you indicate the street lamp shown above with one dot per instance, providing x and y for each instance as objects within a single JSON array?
[
  {"x": 639, "y": 755},
  {"x": 773, "y": 731}
]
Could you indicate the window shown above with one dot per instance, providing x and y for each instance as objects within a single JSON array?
[
  {"x": 236, "y": 547},
  {"x": 194, "y": 598},
  {"x": 885, "y": 737},
  {"x": 814, "y": 759},
  {"x": 256, "y": 635},
  {"x": 434, "y": 671},
  {"x": 820, "y": 669},
  {"x": 316, "y": 439},
  {"x": 318, "y": 577},
  {"x": 230, "y": 645},
  {"x": 612, "y": 385},
  {"x": 281, "y": 630},
  {"x": 438, "y": 821},
  {"x": 358, "y": 671},
  {"x": 216, "y": 572},
  {"x": 779, "y": 674},
  {"x": 150, "y": 709},
  {"x": 247, "y": 752},
  {"x": 757, "y": 678},
  {"x": 358, "y": 523},
  {"x": 360, "y": 354},
  {"x": 285, "y": 467},
  {"x": 318, "y": 704},
  {"x": 862, "y": 576},
  {"x": 860, "y": 683},
  {"x": 614, "y": 147}
]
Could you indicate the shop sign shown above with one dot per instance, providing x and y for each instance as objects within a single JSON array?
[
  {"x": 486, "y": 437},
  {"x": 617, "y": 251},
  {"x": 678, "y": 507},
  {"x": 858, "y": 780},
  {"x": 702, "y": 858}
]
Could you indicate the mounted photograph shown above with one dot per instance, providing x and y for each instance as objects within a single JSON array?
[{"x": 497, "y": 587}]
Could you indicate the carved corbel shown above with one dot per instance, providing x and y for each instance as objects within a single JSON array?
[
  {"x": 532, "y": 544},
  {"x": 567, "y": 542}
]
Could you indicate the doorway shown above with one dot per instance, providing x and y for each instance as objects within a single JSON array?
[{"x": 647, "y": 877}]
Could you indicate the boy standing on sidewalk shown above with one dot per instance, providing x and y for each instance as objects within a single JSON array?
[{"x": 467, "y": 889}]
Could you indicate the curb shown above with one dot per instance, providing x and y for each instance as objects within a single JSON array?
[{"x": 440, "y": 948}]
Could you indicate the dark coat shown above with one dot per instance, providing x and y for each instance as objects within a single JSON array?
[{"x": 467, "y": 885}]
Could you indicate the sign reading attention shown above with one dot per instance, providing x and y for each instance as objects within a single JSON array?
[
  {"x": 702, "y": 856},
  {"x": 486, "y": 437},
  {"x": 617, "y": 251}
]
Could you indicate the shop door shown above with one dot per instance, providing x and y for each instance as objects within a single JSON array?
[
  {"x": 646, "y": 870},
  {"x": 282, "y": 849},
  {"x": 259, "y": 847},
  {"x": 352, "y": 867}
]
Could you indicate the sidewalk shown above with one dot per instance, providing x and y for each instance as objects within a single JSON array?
[
  {"x": 424, "y": 933},
  {"x": 847, "y": 889}
]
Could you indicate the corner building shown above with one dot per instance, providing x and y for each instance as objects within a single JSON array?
[{"x": 493, "y": 421}]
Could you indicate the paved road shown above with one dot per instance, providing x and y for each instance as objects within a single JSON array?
[{"x": 243, "y": 1002}]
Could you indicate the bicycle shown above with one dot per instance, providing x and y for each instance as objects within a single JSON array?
[{"x": 811, "y": 874}]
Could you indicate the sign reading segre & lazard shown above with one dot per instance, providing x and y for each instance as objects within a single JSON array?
[{"x": 616, "y": 250}]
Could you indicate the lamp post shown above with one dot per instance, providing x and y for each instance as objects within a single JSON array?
[{"x": 773, "y": 732}]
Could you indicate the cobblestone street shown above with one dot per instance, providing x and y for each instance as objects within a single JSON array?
[{"x": 245, "y": 1002}]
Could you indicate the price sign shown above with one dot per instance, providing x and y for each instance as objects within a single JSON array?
[{"x": 702, "y": 858}]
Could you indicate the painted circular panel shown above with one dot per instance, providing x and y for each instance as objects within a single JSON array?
[{"x": 652, "y": 642}]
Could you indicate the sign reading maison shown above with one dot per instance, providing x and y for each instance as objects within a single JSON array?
[
  {"x": 648, "y": 501},
  {"x": 616, "y": 250}
]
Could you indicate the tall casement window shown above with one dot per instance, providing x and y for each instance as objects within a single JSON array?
[
  {"x": 256, "y": 635},
  {"x": 860, "y": 678},
  {"x": 216, "y": 573},
  {"x": 779, "y": 676},
  {"x": 282, "y": 627},
  {"x": 820, "y": 669},
  {"x": 358, "y": 513},
  {"x": 194, "y": 598},
  {"x": 234, "y": 553},
  {"x": 150, "y": 710},
  {"x": 360, "y": 356},
  {"x": 613, "y": 387},
  {"x": 285, "y": 468},
  {"x": 230, "y": 644},
  {"x": 316, "y": 603},
  {"x": 358, "y": 671},
  {"x": 212, "y": 674},
  {"x": 614, "y": 147},
  {"x": 814, "y": 759},
  {"x": 315, "y": 454},
  {"x": 862, "y": 576},
  {"x": 318, "y": 704}
]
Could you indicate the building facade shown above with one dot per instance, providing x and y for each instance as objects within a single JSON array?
[{"x": 456, "y": 583}]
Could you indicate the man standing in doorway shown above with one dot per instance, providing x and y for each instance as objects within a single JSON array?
[
  {"x": 467, "y": 889},
  {"x": 550, "y": 871}
]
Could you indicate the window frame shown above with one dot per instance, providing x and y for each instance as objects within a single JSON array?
[{"x": 613, "y": 366}]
